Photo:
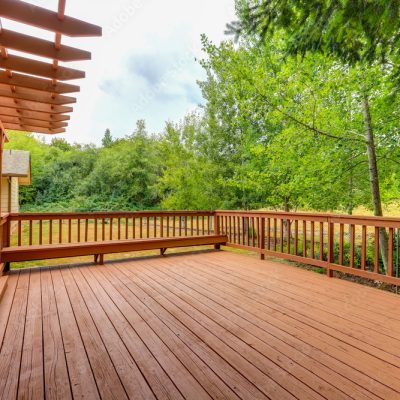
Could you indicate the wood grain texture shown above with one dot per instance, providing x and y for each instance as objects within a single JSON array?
[{"x": 208, "y": 325}]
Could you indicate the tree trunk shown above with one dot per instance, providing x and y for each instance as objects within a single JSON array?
[{"x": 374, "y": 179}]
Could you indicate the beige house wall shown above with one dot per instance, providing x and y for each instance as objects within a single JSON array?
[{"x": 9, "y": 195}]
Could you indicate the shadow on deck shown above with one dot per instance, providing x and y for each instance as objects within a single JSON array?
[{"x": 196, "y": 326}]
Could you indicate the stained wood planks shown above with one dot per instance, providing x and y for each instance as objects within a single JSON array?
[{"x": 211, "y": 325}]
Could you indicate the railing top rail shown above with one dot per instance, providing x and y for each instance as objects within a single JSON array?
[
  {"x": 323, "y": 217},
  {"x": 105, "y": 214},
  {"x": 389, "y": 222}
]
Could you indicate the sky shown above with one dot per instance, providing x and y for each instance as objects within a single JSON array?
[{"x": 143, "y": 67}]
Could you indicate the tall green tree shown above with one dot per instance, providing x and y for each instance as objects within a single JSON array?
[{"x": 107, "y": 140}]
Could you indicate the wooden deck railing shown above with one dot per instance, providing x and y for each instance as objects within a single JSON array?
[
  {"x": 58, "y": 228},
  {"x": 348, "y": 244}
]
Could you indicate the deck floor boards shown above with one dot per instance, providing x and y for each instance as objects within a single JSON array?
[{"x": 209, "y": 325}]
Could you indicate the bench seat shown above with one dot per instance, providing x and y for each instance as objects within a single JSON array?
[{"x": 98, "y": 249}]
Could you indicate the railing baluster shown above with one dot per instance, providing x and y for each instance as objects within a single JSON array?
[
  {"x": 40, "y": 232},
  {"x": 174, "y": 226},
  {"x": 288, "y": 236},
  {"x": 341, "y": 244},
  {"x": 376, "y": 250},
  {"x": 162, "y": 226},
  {"x": 50, "y": 231},
  {"x": 390, "y": 253},
  {"x": 79, "y": 229},
  {"x": 30, "y": 232},
  {"x": 253, "y": 233},
  {"x": 19, "y": 232},
  {"x": 86, "y": 230},
  {"x": 126, "y": 228},
  {"x": 185, "y": 225},
  {"x": 167, "y": 226},
  {"x": 261, "y": 237},
  {"x": 111, "y": 228},
  {"x": 268, "y": 234},
  {"x": 275, "y": 234},
  {"x": 119, "y": 228},
  {"x": 281, "y": 248},
  {"x": 95, "y": 229},
  {"x": 148, "y": 227},
  {"x": 331, "y": 244},
  {"x": 305, "y": 238},
  {"x": 296, "y": 237},
  {"x": 103, "y": 229},
  {"x": 312, "y": 239},
  {"x": 202, "y": 225},
  {"x": 321, "y": 241},
  {"x": 352, "y": 240},
  {"x": 191, "y": 225},
  {"x": 363, "y": 247},
  {"x": 60, "y": 232},
  {"x": 208, "y": 225},
  {"x": 69, "y": 230},
  {"x": 155, "y": 226}
]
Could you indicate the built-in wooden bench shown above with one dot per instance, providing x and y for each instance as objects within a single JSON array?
[{"x": 98, "y": 249}]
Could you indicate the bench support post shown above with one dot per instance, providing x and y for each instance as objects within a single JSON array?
[
  {"x": 7, "y": 266},
  {"x": 162, "y": 251},
  {"x": 217, "y": 246},
  {"x": 99, "y": 259}
]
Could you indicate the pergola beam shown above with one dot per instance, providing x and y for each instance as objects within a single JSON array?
[
  {"x": 33, "y": 122},
  {"x": 40, "y": 116},
  {"x": 39, "y": 17},
  {"x": 39, "y": 47},
  {"x": 29, "y": 128},
  {"x": 24, "y": 94},
  {"x": 34, "y": 67},
  {"x": 32, "y": 82},
  {"x": 34, "y": 106}
]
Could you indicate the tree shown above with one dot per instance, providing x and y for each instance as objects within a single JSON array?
[
  {"x": 107, "y": 140},
  {"x": 268, "y": 125},
  {"x": 123, "y": 175},
  {"x": 189, "y": 178},
  {"x": 350, "y": 30},
  {"x": 359, "y": 34}
]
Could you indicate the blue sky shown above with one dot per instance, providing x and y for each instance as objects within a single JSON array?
[{"x": 144, "y": 65}]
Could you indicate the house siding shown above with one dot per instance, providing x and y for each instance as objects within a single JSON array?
[{"x": 5, "y": 193}]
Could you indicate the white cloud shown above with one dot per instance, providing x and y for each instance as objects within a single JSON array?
[{"x": 144, "y": 65}]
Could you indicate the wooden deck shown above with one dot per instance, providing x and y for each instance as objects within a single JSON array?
[{"x": 196, "y": 326}]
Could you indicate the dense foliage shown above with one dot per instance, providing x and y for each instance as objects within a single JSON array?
[{"x": 285, "y": 124}]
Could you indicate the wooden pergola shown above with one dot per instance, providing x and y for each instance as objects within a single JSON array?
[{"x": 34, "y": 95}]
